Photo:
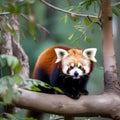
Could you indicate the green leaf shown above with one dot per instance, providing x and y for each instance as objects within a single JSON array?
[
  {"x": 6, "y": 88},
  {"x": 9, "y": 95},
  {"x": 35, "y": 88},
  {"x": 71, "y": 36},
  {"x": 12, "y": 62},
  {"x": 65, "y": 19},
  {"x": 58, "y": 90},
  {"x": 8, "y": 27},
  {"x": 33, "y": 84},
  {"x": 30, "y": 83},
  {"x": 115, "y": 11},
  {"x": 88, "y": 39},
  {"x": 29, "y": 118},
  {"x": 2, "y": 62},
  {"x": 86, "y": 21},
  {"x": 16, "y": 79},
  {"x": 95, "y": 19},
  {"x": 118, "y": 6},
  {"x": 11, "y": 116}
]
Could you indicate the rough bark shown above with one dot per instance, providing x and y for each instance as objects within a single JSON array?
[
  {"x": 11, "y": 46},
  {"x": 110, "y": 69},
  {"x": 106, "y": 105}
]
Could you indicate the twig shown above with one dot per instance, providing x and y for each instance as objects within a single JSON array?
[
  {"x": 115, "y": 4},
  {"x": 65, "y": 11},
  {"x": 5, "y": 13},
  {"x": 38, "y": 25}
]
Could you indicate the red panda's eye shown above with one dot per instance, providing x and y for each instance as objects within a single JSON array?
[
  {"x": 71, "y": 67},
  {"x": 80, "y": 67}
]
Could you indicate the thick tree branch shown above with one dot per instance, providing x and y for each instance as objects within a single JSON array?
[{"x": 59, "y": 104}]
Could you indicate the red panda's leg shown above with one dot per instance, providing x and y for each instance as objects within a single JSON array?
[{"x": 55, "y": 74}]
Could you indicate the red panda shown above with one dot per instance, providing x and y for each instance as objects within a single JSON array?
[{"x": 66, "y": 68}]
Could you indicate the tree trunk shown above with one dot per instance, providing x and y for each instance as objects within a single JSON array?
[
  {"x": 11, "y": 46},
  {"x": 116, "y": 25},
  {"x": 110, "y": 69}
]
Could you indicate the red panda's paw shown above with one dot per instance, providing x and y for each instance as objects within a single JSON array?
[
  {"x": 77, "y": 95},
  {"x": 74, "y": 96}
]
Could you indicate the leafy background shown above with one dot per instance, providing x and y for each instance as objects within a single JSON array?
[
  {"x": 63, "y": 30},
  {"x": 42, "y": 27}
]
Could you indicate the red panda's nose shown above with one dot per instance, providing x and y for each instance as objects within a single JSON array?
[{"x": 76, "y": 74}]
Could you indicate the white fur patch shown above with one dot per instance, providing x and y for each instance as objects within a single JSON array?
[
  {"x": 72, "y": 72},
  {"x": 87, "y": 69},
  {"x": 65, "y": 68}
]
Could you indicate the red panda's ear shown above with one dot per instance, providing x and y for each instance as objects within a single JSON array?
[
  {"x": 90, "y": 53},
  {"x": 60, "y": 53}
]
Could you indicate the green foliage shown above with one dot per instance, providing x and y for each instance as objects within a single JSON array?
[
  {"x": 37, "y": 85},
  {"x": 82, "y": 25},
  {"x": 7, "y": 81},
  {"x": 88, "y": 3},
  {"x": 116, "y": 10},
  {"x": 11, "y": 61},
  {"x": 6, "y": 89},
  {"x": 65, "y": 19},
  {"x": 22, "y": 8},
  {"x": 15, "y": 6},
  {"x": 7, "y": 116}
]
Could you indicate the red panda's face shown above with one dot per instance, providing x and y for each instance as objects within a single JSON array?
[
  {"x": 75, "y": 62},
  {"x": 75, "y": 67}
]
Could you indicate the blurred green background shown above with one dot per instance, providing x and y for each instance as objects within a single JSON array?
[
  {"x": 60, "y": 28},
  {"x": 43, "y": 27},
  {"x": 59, "y": 34}
]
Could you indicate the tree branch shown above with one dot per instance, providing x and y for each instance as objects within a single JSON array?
[
  {"x": 17, "y": 48},
  {"x": 11, "y": 46},
  {"x": 65, "y": 11},
  {"x": 4, "y": 13},
  {"x": 91, "y": 105},
  {"x": 115, "y": 4}
]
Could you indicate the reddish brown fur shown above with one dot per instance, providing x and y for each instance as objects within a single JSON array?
[{"x": 47, "y": 60}]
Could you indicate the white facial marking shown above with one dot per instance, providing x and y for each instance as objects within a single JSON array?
[
  {"x": 72, "y": 65},
  {"x": 79, "y": 65},
  {"x": 65, "y": 68},
  {"x": 87, "y": 69},
  {"x": 76, "y": 70}
]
